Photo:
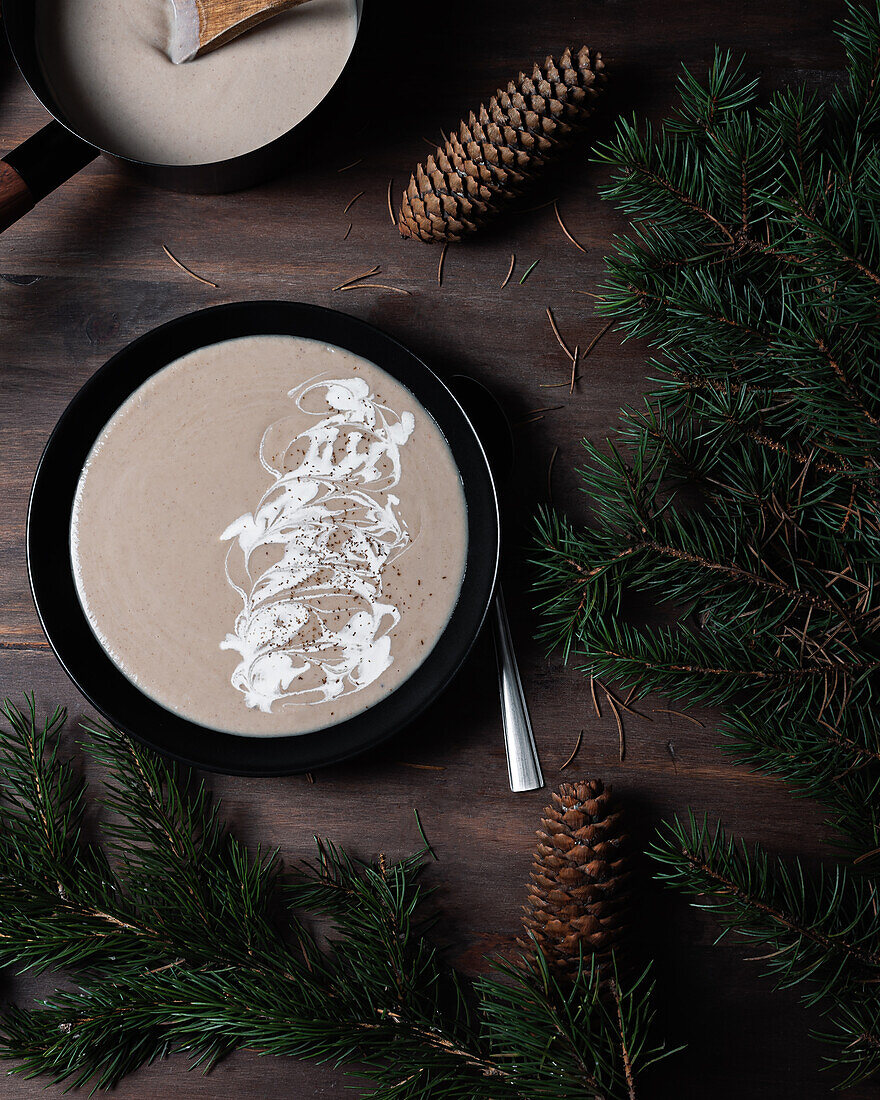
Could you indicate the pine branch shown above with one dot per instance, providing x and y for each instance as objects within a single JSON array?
[
  {"x": 855, "y": 1032},
  {"x": 183, "y": 941},
  {"x": 745, "y": 496},
  {"x": 742, "y": 504},
  {"x": 813, "y": 921},
  {"x": 819, "y": 932},
  {"x": 601, "y": 1040}
]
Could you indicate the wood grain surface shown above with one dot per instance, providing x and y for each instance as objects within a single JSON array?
[{"x": 85, "y": 273}]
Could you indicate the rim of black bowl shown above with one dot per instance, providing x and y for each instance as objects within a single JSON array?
[{"x": 51, "y": 572}]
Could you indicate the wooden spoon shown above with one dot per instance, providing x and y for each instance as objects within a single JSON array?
[{"x": 200, "y": 26}]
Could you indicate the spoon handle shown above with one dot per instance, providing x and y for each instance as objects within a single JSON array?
[{"x": 523, "y": 768}]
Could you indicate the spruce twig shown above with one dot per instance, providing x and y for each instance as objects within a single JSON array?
[
  {"x": 743, "y": 499},
  {"x": 186, "y": 942},
  {"x": 822, "y": 931}
]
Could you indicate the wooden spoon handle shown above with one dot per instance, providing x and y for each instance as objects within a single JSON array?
[{"x": 222, "y": 20}]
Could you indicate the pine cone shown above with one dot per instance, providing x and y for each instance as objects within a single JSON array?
[
  {"x": 498, "y": 151},
  {"x": 579, "y": 897}
]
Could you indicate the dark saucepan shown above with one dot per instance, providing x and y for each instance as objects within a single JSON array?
[{"x": 57, "y": 152}]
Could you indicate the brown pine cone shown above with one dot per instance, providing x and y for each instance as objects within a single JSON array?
[
  {"x": 579, "y": 896},
  {"x": 499, "y": 150}
]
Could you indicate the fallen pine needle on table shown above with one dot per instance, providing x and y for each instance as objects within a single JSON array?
[{"x": 189, "y": 271}]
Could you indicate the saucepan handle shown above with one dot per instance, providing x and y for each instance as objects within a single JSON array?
[{"x": 37, "y": 166}]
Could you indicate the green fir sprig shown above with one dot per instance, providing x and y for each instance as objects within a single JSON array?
[
  {"x": 741, "y": 503},
  {"x": 173, "y": 937},
  {"x": 818, "y": 931}
]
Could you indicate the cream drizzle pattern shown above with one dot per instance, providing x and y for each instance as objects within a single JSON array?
[{"x": 314, "y": 625}]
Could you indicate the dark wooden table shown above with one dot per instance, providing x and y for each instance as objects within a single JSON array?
[{"x": 85, "y": 273}]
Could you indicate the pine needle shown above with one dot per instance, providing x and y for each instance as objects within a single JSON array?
[
  {"x": 558, "y": 334},
  {"x": 529, "y": 270},
  {"x": 538, "y": 414},
  {"x": 353, "y": 164},
  {"x": 345, "y": 238},
  {"x": 679, "y": 714},
  {"x": 425, "y": 840},
  {"x": 351, "y": 202},
  {"x": 188, "y": 270},
  {"x": 574, "y": 751},
  {"x": 614, "y": 704},
  {"x": 441, "y": 263},
  {"x": 595, "y": 699},
  {"x": 562, "y": 226},
  {"x": 620, "y": 734},
  {"x": 357, "y": 278},
  {"x": 631, "y": 710},
  {"x": 597, "y": 338},
  {"x": 550, "y": 474},
  {"x": 575, "y": 359},
  {"x": 509, "y": 270},
  {"x": 390, "y": 203},
  {"x": 374, "y": 286},
  {"x": 540, "y": 206}
]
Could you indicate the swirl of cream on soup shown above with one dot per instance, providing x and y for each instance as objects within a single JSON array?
[{"x": 308, "y": 561}]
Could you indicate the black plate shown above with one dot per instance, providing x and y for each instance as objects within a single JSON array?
[{"x": 51, "y": 572}]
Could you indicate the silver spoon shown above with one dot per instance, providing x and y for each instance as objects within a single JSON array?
[{"x": 493, "y": 428}]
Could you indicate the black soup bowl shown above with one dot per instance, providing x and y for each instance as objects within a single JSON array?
[{"x": 50, "y": 567}]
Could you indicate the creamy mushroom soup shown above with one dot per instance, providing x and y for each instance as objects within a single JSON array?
[{"x": 269, "y": 536}]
